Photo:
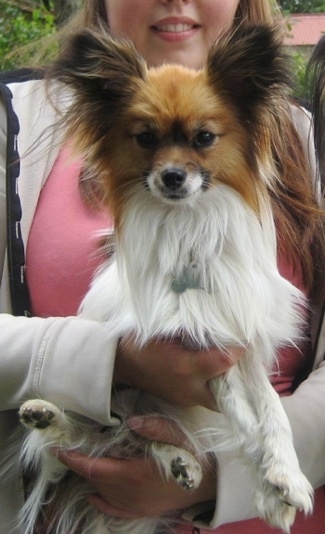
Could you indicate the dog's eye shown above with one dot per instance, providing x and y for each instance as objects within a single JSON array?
[
  {"x": 203, "y": 138},
  {"x": 146, "y": 139}
]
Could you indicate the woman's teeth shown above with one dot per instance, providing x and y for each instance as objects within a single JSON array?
[{"x": 175, "y": 28}]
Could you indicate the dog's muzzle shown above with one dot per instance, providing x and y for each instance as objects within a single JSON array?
[{"x": 174, "y": 183}]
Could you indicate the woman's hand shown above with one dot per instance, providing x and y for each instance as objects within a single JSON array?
[
  {"x": 166, "y": 369},
  {"x": 133, "y": 488}
]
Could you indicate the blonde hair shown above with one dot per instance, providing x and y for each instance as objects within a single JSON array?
[{"x": 258, "y": 11}]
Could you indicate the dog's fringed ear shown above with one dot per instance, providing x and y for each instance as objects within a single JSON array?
[
  {"x": 98, "y": 66},
  {"x": 247, "y": 66}
]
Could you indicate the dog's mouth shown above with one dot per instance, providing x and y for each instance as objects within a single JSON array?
[
  {"x": 181, "y": 196},
  {"x": 175, "y": 184}
]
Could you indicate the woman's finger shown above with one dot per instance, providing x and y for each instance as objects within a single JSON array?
[
  {"x": 133, "y": 488},
  {"x": 107, "y": 508},
  {"x": 157, "y": 429},
  {"x": 94, "y": 469}
]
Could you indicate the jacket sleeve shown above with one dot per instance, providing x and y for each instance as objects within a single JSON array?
[
  {"x": 49, "y": 358},
  {"x": 64, "y": 360}
]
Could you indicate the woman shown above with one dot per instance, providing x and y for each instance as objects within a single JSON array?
[{"x": 48, "y": 355}]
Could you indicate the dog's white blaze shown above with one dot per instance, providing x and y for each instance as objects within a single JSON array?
[{"x": 240, "y": 298}]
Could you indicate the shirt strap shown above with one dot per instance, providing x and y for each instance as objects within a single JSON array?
[{"x": 16, "y": 254}]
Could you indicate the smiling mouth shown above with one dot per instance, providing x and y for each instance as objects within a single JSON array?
[
  {"x": 179, "y": 27},
  {"x": 175, "y": 28}
]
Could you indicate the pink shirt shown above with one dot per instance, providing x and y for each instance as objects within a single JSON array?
[{"x": 62, "y": 250}]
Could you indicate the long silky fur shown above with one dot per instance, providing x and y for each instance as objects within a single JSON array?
[
  {"x": 225, "y": 235},
  {"x": 316, "y": 87}
]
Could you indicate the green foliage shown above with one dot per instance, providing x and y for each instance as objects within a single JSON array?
[
  {"x": 302, "y": 6},
  {"x": 300, "y": 57},
  {"x": 21, "y": 24},
  {"x": 299, "y": 64}
]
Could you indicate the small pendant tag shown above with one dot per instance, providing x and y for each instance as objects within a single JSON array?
[{"x": 189, "y": 279}]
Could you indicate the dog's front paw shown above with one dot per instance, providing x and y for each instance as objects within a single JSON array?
[
  {"x": 38, "y": 414},
  {"x": 292, "y": 487},
  {"x": 273, "y": 509},
  {"x": 282, "y": 492},
  {"x": 179, "y": 463}
]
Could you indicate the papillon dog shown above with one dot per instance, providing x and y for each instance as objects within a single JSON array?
[{"x": 185, "y": 157}]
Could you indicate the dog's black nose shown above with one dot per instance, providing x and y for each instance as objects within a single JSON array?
[{"x": 173, "y": 178}]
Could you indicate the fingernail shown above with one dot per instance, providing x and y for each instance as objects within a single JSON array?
[{"x": 135, "y": 422}]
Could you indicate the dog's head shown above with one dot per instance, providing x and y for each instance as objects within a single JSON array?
[{"x": 172, "y": 131}]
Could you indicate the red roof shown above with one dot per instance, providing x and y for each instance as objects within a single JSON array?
[{"x": 305, "y": 29}]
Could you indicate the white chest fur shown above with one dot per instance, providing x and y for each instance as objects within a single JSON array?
[{"x": 207, "y": 271}]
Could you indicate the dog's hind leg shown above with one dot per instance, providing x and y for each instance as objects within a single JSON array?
[
  {"x": 49, "y": 427},
  {"x": 178, "y": 463},
  {"x": 44, "y": 416}
]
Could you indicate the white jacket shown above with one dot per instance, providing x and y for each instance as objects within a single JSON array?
[{"x": 49, "y": 358}]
